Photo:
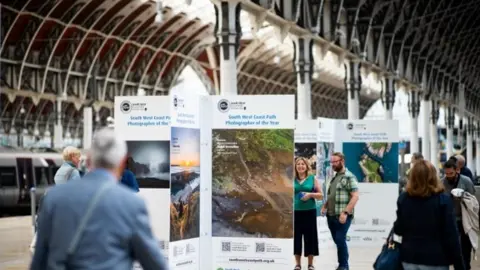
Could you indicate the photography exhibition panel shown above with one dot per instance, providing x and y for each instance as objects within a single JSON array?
[
  {"x": 371, "y": 154},
  {"x": 184, "y": 251},
  {"x": 144, "y": 122},
  {"x": 252, "y": 186}
]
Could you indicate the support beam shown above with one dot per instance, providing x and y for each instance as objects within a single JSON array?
[
  {"x": 388, "y": 96},
  {"x": 470, "y": 134},
  {"x": 87, "y": 127},
  {"x": 450, "y": 123},
  {"x": 303, "y": 64},
  {"x": 58, "y": 125},
  {"x": 353, "y": 84},
  {"x": 414, "y": 111},
  {"x": 427, "y": 112},
  {"x": 435, "y": 112},
  {"x": 228, "y": 32},
  {"x": 477, "y": 150}
]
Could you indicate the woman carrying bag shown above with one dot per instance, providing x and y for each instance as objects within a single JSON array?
[{"x": 426, "y": 225}]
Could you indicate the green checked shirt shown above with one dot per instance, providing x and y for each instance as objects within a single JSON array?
[{"x": 339, "y": 189}]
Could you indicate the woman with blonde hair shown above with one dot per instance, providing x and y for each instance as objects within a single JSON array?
[
  {"x": 425, "y": 221},
  {"x": 307, "y": 190}
]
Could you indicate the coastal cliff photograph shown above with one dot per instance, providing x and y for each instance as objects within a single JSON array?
[
  {"x": 150, "y": 162},
  {"x": 252, "y": 189}
]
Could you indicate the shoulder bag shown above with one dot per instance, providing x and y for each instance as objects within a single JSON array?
[
  {"x": 83, "y": 223},
  {"x": 389, "y": 257}
]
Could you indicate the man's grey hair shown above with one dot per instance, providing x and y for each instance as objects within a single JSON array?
[
  {"x": 460, "y": 161},
  {"x": 108, "y": 149}
]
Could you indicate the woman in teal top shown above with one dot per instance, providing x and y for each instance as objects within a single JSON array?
[{"x": 307, "y": 190}]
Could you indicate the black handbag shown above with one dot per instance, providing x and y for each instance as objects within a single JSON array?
[{"x": 389, "y": 257}]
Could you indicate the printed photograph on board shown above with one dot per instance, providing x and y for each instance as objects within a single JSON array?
[
  {"x": 372, "y": 162},
  {"x": 324, "y": 152},
  {"x": 252, "y": 187},
  {"x": 308, "y": 151},
  {"x": 185, "y": 184},
  {"x": 150, "y": 162}
]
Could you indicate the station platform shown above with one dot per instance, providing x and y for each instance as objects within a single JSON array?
[{"x": 16, "y": 234}]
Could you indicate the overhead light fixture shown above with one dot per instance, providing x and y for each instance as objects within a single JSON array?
[
  {"x": 277, "y": 59},
  {"x": 141, "y": 92}
]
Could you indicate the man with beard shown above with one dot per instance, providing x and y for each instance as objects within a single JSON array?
[
  {"x": 453, "y": 179},
  {"x": 342, "y": 196}
]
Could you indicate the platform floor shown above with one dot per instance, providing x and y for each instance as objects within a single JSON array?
[{"x": 16, "y": 234}]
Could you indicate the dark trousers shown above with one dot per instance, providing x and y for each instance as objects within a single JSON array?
[
  {"x": 339, "y": 235},
  {"x": 466, "y": 246},
  {"x": 305, "y": 226}
]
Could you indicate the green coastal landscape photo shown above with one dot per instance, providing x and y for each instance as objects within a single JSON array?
[{"x": 252, "y": 183}]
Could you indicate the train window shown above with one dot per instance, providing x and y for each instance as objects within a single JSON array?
[
  {"x": 8, "y": 176},
  {"x": 41, "y": 176}
]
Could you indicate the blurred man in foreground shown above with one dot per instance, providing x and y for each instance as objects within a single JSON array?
[{"x": 96, "y": 223}]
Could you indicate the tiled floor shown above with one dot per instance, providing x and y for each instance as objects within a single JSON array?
[{"x": 16, "y": 234}]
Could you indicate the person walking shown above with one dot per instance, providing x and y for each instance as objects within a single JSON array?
[
  {"x": 452, "y": 180},
  {"x": 342, "y": 196},
  {"x": 69, "y": 168},
  {"x": 425, "y": 221},
  {"x": 96, "y": 223},
  {"x": 307, "y": 190}
]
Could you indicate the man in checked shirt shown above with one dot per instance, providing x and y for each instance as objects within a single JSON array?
[{"x": 342, "y": 196}]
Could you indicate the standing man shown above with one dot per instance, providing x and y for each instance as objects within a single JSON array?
[
  {"x": 462, "y": 166},
  {"x": 342, "y": 196},
  {"x": 453, "y": 179}
]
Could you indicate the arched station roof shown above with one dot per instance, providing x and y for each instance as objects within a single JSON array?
[
  {"x": 88, "y": 51},
  {"x": 430, "y": 45}
]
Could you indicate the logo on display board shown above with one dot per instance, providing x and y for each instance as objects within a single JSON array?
[
  {"x": 319, "y": 125},
  {"x": 350, "y": 126},
  {"x": 223, "y": 105},
  {"x": 126, "y": 106},
  {"x": 178, "y": 103}
]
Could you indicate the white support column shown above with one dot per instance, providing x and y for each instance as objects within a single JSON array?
[
  {"x": 434, "y": 158},
  {"x": 58, "y": 125},
  {"x": 450, "y": 123},
  {"x": 414, "y": 110},
  {"x": 303, "y": 64},
  {"x": 228, "y": 37},
  {"x": 427, "y": 111},
  {"x": 388, "y": 96},
  {"x": 353, "y": 84},
  {"x": 470, "y": 133},
  {"x": 477, "y": 150},
  {"x": 87, "y": 127}
]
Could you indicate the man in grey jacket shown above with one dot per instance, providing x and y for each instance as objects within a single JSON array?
[
  {"x": 453, "y": 180},
  {"x": 117, "y": 231}
]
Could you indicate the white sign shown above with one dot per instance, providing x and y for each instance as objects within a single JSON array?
[
  {"x": 144, "y": 122},
  {"x": 252, "y": 221},
  {"x": 305, "y": 131},
  {"x": 185, "y": 182},
  {"x": 247, "y": 112},
  {"x": 371, "y": 154}
]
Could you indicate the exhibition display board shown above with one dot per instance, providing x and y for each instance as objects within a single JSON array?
[
  {"x": 252, "y": 151},
  {"x": 371, "y": 154},
  {"x": 144, "y": 122},
  {"x": 184, "y": 251},
  {"x": 325, "y": 138}
]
